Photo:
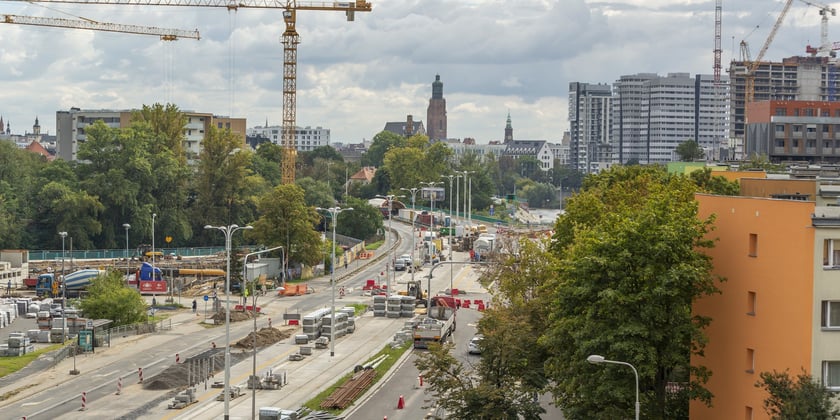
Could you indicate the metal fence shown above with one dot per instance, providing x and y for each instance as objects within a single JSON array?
[
  {"x": 104, "y": 254},
  {"x": 139, "y": 328}
]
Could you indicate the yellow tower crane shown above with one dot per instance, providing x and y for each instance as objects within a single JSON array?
[
  {"x": 752, "y": 65},
  {"x": 290, "y": 41},
  {"x": 165, "y": 34}
]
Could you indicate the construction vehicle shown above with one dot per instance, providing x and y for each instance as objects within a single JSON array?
[
  {"x": 184, "y": 399},
  {"x": 73, "y": 284},
  {"x": 413, "y": 289},
  {"x": 437, "y": 325}
]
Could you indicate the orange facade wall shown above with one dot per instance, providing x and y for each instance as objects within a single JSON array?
[
  {"x": 754, "y": 187},
  {"x": 764, "y": 111},
  {"x": 762, "y": 319}
]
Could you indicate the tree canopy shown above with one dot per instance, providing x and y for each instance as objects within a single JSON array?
[
  {"x": 800, "y": 397},
  {"x": 109, "y": 298}
]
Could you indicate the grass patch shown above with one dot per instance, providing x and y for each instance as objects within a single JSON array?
[
  {"x": 360, "y": 308},
  {"x": 374, "y": 245},
  {"x": 9, "y": 365},
  {"x": 14, "y": 392},
  {"x": 393, "y": 355}
]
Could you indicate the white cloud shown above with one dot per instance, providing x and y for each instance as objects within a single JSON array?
[{"x": 493, "y": 56}]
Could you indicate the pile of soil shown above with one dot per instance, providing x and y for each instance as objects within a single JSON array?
[
  {"x": 235, "y": 316},
  {"x": 175, "y": 375},
  {"x": 265, "y": 337}
]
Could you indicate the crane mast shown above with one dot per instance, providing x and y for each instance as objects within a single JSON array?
[
  {"x": 164, "y": 33},
  {"x": 290, "y": 41}
]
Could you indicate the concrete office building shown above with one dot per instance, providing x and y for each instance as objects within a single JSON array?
[
  {"x": 652, "y": 115},
  {"x": 801, "y": 131},
  {"x": 71, "y": 126},
  {"x": 589, "y": 126},
  {"x": 306, "y": 138}
]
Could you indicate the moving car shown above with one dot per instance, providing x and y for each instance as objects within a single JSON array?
[{"x": 474, "y": 346}]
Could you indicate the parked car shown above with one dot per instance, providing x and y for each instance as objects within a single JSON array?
[
  {"x": 399, "y": 264},
  {"x": 474, "y": 346}
]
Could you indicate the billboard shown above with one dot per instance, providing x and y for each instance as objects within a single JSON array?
[{"x": 433, "y": 193}]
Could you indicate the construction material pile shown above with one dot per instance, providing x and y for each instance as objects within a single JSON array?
[
  {"x": 265, "y": 337},
  {"x": 235, "y": 316}
]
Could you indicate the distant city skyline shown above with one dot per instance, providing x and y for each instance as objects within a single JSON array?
[{"x": 493, "y": 57}]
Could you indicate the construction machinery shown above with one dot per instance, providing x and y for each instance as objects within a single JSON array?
[
  {"x": 290, "y": 41},
  {"x": 825, "y": 48},
  {"x": 165, "y": 34},
  {"x": 752, "y": 65}
]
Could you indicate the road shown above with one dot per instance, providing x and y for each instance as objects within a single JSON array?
[{"x": 56, "y": 394}]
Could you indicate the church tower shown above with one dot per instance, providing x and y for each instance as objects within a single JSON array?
[
  {"x": 36, "y": 129},
  {"x": 508, "y": 130},
  {"x": 436, "y": 113}
]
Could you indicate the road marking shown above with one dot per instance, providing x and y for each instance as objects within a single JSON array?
[
  {"x": 106, "y": 374},
  {"x": 34, "y": 403}
]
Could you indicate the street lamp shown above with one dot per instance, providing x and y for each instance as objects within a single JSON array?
[
  {"x": 465, "y": 175},
  {"x": 451, "y": 225},
  {"x": 63, "y": 290},
  {"x": 430, "y": 185},
  {"x": 334, "y": 212},
  {"x": 389, "y": 267},
  {"x": 127, "y": 266},
  {"x": 228, "y": 231},
  {"x": 153, "y": 257},
  {"x": 254, "y": 380},
  {"x": 413, "y": 192},
  {"x": 597, "y": 359}
]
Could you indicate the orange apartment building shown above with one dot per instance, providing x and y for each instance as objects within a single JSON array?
[{"x": 780, "y": 304}]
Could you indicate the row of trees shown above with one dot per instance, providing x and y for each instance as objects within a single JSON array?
[
  {"x": 124, "y": 175},
  {"x": 618, "y": 278}
]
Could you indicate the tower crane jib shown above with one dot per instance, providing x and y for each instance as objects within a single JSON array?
[
  {"x": 165, "y": 34},
  {"x": 290, "y": 41}
]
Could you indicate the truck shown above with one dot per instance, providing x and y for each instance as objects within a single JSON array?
[
  {"x": 482, "y": 247},
  {"x": 146, "y": 283},
  {"x": 437, "y": 325},
  {"x": 74, "y": 283}
]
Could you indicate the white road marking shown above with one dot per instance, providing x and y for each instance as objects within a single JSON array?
[
  {"x": 35, "y": 403},
  {"x": 106, "y": 374}
]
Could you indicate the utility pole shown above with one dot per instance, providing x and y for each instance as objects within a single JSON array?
[{"x": 451, "y": 224}]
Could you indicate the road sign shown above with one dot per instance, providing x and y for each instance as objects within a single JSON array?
[
  {"x": 206, "y": 298},
  {"x": 89, "y": 324}
]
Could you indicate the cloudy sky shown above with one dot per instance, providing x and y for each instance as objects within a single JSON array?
[{"x": 493, "y": 56}]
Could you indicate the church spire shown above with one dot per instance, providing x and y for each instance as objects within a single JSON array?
[{"x": 508, "y": 129}]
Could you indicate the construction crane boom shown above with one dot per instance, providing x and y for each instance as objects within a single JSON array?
[
  {"x": 825, "y": 46},
  {"x": 290, "y": 41},
  {"x": 749, "y": 93},
  {"x": 165, "y": 34}
]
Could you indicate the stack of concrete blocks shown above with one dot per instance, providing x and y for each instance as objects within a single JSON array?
[
  {"x": 313, "y": 321},
  {"x": 340, "y": 327},
  {"x": 379, "y": 303},
  {"x": 407, "y": 306},
  {"x": 393, "y": 308},
  {"x": 406, "y": 333},
  {"x": 351, "y": 318},
  {"x": 19, "y": 344}
]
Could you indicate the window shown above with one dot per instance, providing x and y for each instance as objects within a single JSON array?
[
  {"x": 781, "y": 112},
  {"x": 750, "y": 361},
  {"x": 753, "y": 245},
  {"x": 831, "y": 374},
  {"x": 780, "y": 128},
  {"x": 830, "y": 314},
  {"x": 748, "y": 413},
  {"x": 751, "y": 303},
  {"x": 831, "y": 253}
]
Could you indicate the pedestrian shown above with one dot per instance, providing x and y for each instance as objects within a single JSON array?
[
  {"x": 154, "y": 302},
  {"x": 195, "y": 305},
  {"x": 345, "y": 263}
]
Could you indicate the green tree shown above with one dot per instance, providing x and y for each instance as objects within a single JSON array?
[
  {"x": 266, "y": 163},
  {"x": 317, "y": 193},
  {"x": 631, "y": 265},
  {"x": 706, "y": 182},
  {"x": 109, "y": 298},
  {"x": 381, "y": 143},
  {"x": 801, "y": 397},
  {"x": 167, "y": 124},
  {"x": 62, "y": 208},
  {"x": 689, "y": 151},
  {"x": 363, "y": 222},
  {"x": 286, "y": 220}
]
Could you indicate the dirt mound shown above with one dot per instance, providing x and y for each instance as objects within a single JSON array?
[
  {"x": 235, "y": 316},
  {"x": 265, "y": 337},
  {"x": 175, "y": 375}
]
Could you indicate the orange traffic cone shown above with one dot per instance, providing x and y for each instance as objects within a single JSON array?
[{"x": 401, "y": 403}]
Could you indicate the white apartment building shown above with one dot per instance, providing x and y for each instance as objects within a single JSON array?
[
  {"x": 653, "y": 114},
  {"x": 589, "y": 125},
  {"x": 71, "y": 126},
  {"x": 306, "y": 138}
]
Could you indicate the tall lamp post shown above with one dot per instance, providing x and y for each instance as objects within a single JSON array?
[
  {"x": 597, "y": 359},
  {"x": 228, "y": 231},
  {"x": 431, "y": 187},
  {"x": 253, "y": 379},
  {"x": 451, "y": 225},
  {"x": 389, "y": 267},
  {"x": 413, "y": 192},
  {"x": 465, "y": 175},
  {"x": 63, "y": 290},
  {"x": 153, "y": 256},
  {"x": 334, "y": 212},
  {"x": 127, "y": 266}
]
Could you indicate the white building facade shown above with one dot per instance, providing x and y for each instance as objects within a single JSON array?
[{"x": 306, "y": 138}]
